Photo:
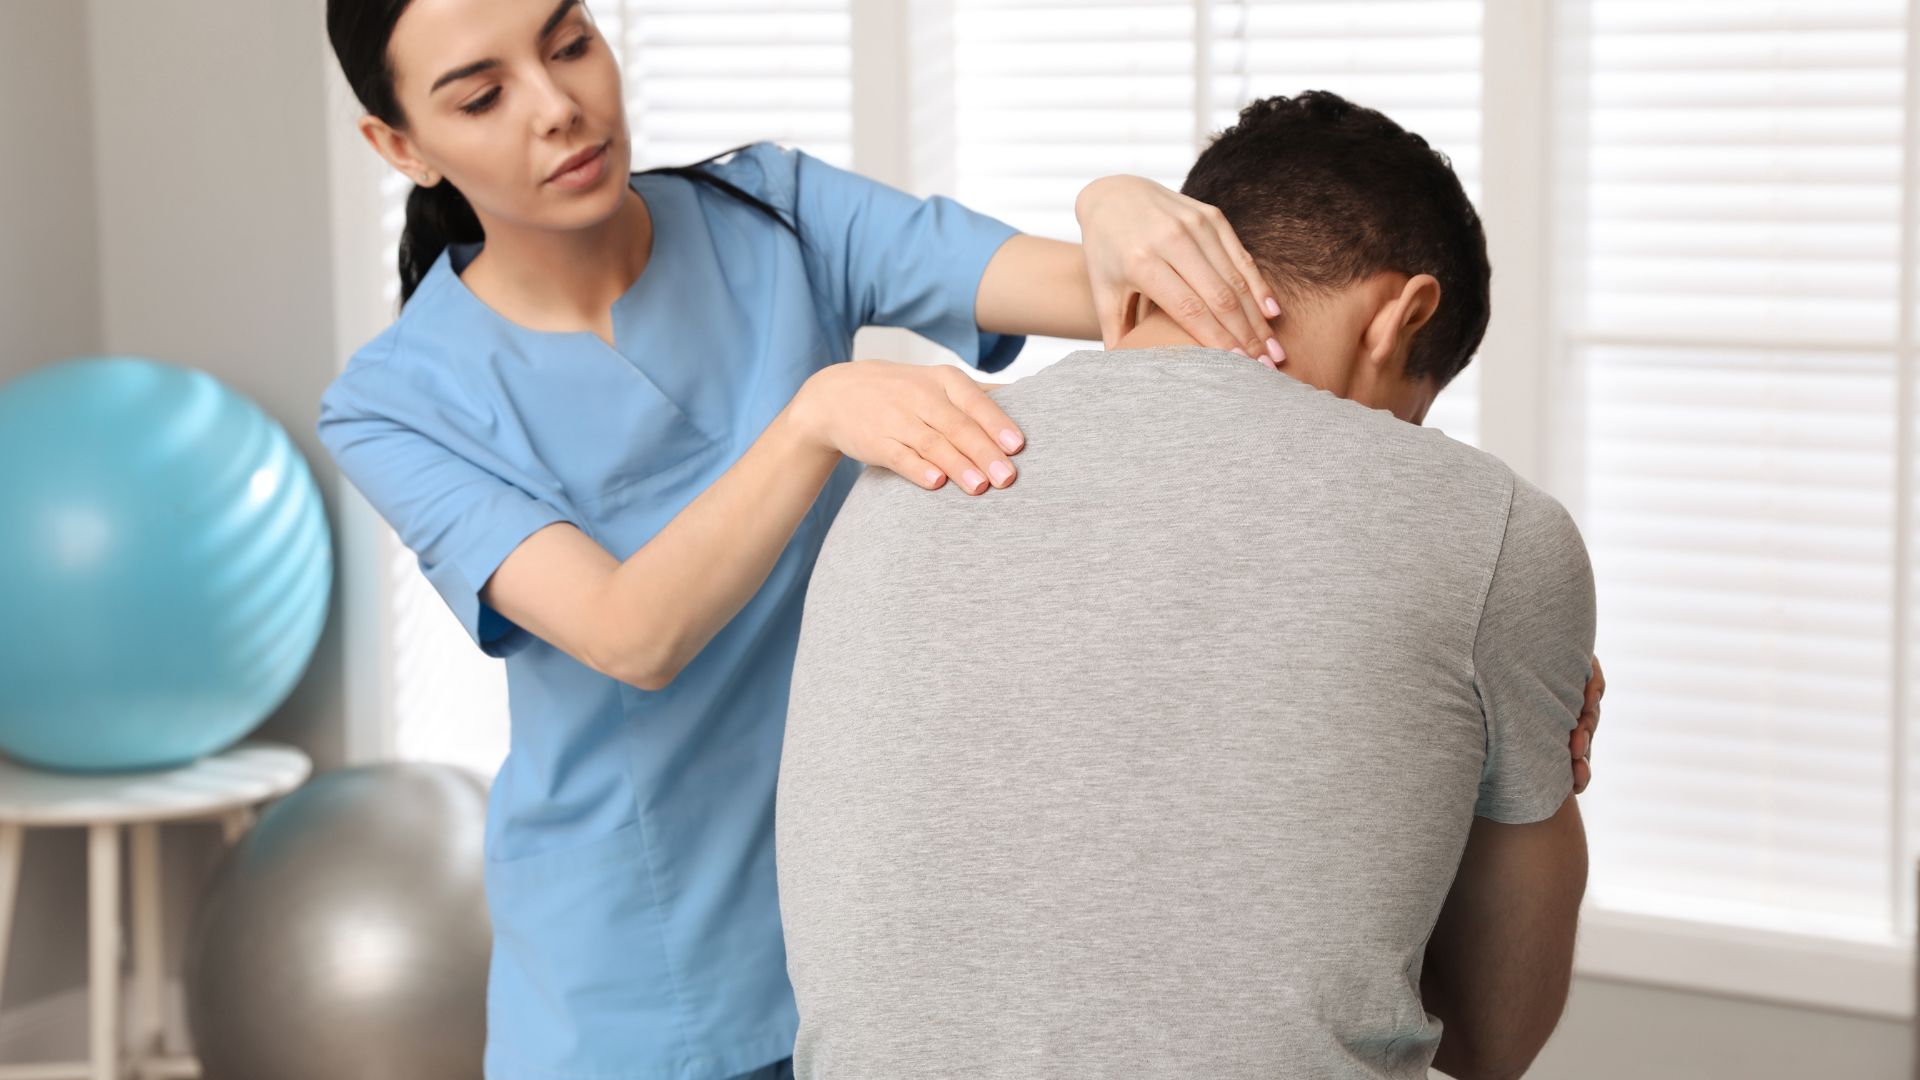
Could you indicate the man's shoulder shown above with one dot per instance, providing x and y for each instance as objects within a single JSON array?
[
  {"x": 1542, "y": 538},
  {"x": 1077, "y": 384}
]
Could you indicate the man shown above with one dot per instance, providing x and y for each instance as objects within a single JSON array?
[{"x": 1232, "y": 740}]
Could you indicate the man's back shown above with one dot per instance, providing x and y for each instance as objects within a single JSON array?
[{"x": 1161, "y": 761}]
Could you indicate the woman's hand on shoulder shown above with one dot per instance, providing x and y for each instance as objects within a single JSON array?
[{"x": 928, "y": 423}]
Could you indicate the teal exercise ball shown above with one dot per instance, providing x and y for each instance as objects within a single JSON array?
[{"x": 165, "y": 565}]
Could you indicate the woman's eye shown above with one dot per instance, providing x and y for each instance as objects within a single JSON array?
[
  {"x": 482, "y": 103},
  {"x": 576, "y": 49}
]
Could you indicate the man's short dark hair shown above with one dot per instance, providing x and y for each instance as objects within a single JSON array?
[{"x": 1324, "y": 193}]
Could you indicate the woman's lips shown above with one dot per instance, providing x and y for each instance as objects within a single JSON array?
[{"x": 582, "y": 168}]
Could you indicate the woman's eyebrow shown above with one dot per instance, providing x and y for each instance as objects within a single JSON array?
[
  {"x": 479, "y": 66},
  {"x": 553, "y": 20}
]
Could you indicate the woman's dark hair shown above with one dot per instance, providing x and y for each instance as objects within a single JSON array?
[
  {"x": 1324, "y": 193},
  {"x": 438, "y": 216}
]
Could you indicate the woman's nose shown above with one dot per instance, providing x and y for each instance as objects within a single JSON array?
[{"x": 557, "y": 111}]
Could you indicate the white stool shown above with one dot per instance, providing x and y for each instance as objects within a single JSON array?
[{"x": 226, "y": 788}]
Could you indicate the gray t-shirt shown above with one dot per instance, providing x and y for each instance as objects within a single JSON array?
[{"x": 1160, "y": 762}]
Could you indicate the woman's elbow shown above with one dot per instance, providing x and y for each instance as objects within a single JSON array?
[
  {"x": 649, "y": 678},
  {"x": 636, "y": 664}
]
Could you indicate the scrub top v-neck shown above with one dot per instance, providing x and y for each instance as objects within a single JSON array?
[{"x": 630, "y": 834}]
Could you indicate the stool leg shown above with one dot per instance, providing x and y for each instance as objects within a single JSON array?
[
  {"x": 103, "y": 949},
  {"x": 13, "y": 843},
  {"x": 236, "y": 823},
  {"x": 149, "y": 980}
]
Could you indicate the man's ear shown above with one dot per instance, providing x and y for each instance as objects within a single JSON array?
[
  {"x": 1400, "y": 318},
  {"x": 397, "y": 149}
]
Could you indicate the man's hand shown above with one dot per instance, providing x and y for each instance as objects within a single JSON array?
[{"x": 1580, "y": 744}]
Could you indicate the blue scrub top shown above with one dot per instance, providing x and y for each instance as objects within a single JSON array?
[{"x": 630, "y": 832}]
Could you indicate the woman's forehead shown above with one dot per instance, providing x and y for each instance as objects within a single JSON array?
[{"x": 437, "y": 38}]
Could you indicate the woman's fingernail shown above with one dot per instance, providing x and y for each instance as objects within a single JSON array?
[
  {"x": 934, "y": 476},
  {"x": 1010, "y": 439},
  {"x": 1268, "y": 360},
  {"x": 1273, "y": 308},
  {"x": 1001, "y": 473},
  {"x": 972, "y": 480},
  {"x": 1242, "y": 352},
  {"x": 1274, "y": 350}
]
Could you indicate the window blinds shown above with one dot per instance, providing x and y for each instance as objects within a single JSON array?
[
  {"x": 1736, "y": 205},
  {"x": 704, "y": 76}
]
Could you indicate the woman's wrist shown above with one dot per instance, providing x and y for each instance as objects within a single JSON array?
[
  {"x": 1091, "y": 194},
  {"x": 802, "y": 425}
]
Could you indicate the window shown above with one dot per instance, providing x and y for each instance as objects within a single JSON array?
[
  {"x": 1733, "y": 214},
  {"x": 705, "y": 76}
]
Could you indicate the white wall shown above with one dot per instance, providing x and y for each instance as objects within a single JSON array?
[
  {"x": 49, "y": 300},
  {"x": 49, "y": 310}
]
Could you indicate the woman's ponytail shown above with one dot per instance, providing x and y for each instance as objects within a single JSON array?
[
  {"x": 436, "y": 217},
  {"x": 697, "y": 172}
]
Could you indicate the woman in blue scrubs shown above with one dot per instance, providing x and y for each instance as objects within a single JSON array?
[{"x": 615, "y": 434}]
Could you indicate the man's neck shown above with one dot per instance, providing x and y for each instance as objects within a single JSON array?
[
  {"x": 1157, "y": 330},
  {"x": 1311, "y": 358}
]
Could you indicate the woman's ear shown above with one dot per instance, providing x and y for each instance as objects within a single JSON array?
[
  {"x": 397, "y": 149},
  {"x": 1402, "y": 316}
]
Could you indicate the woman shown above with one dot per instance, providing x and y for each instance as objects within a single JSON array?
[{"x": 615, "y": 434}]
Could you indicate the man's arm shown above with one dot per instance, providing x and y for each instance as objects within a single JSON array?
[
  {"x": 1501, "y": 956},
  {"x": 1501, "y": 953}
]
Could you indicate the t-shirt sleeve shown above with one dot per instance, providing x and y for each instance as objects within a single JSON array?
[
  {"x": 1532, "y": 655},
  {"x": 881, "y": 257},
  {"x": 460, "y": 520}
]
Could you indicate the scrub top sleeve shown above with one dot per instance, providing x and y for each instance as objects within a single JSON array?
[
  {"x": 460, "y": 521},
  {"x": 887, "y": 258},
  {"x": 1531, "y": 658}
]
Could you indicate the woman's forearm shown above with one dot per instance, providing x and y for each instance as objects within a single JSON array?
[
  {"x": 1037, "y": 286},
  {"x": 668, "y": 599},
  {"x": 652, "y": 614}
]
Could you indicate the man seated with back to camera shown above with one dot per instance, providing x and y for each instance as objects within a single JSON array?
[{"x": 1232, "y": 740}]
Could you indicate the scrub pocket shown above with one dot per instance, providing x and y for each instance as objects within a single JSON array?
[{"x": 580, "y": 985}]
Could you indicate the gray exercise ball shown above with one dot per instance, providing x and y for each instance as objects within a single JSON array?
[{"x": 347, "y": 936}]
